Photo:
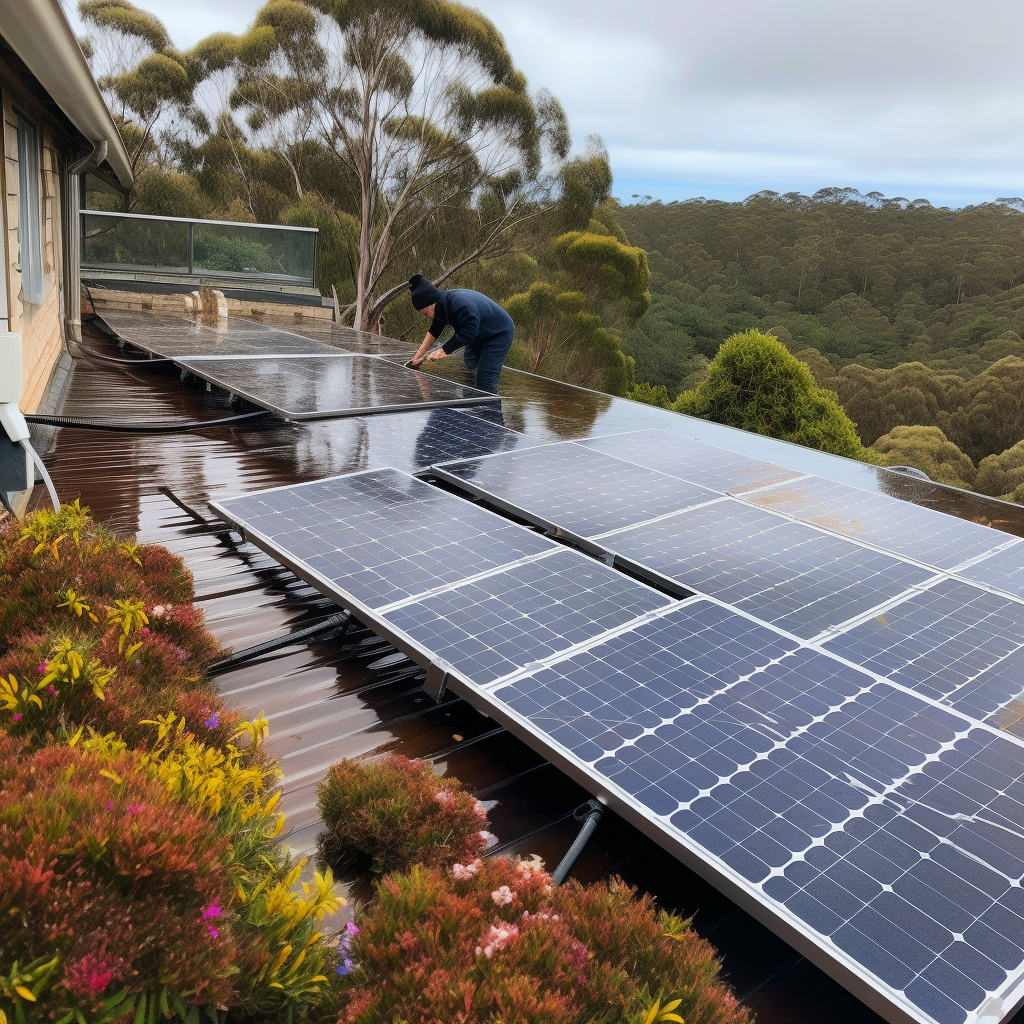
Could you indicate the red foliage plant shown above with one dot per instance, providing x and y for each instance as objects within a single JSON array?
[
  {"x": 53, "y": 552},
  {"x": 129, "y": 888},
  {"x": 116, "y": 606},
  {"x": 392, "y": 813},
  {"x": 494, "y": 941}
]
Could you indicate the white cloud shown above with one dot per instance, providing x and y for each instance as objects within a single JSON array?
[{"x": 723, "y": 99}]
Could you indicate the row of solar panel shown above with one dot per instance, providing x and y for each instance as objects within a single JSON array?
[
  {"x": 947, "y": 638},
  {"x": 694, "y": 715},
  {"x": 294, "y": 375}
]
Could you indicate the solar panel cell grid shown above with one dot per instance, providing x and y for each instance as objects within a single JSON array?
[
  {"x": 795, "y": 577},
  {"x": 379, "y": 536},
  {"x": 888, "y": 826},
  {"x": 523, "y": 614},
  {"x": 954, "y": 643},
  {"x": 700, "y": 463},
  {"x": 1004, "y": 569},
  {"x": 581, "y": 491}
]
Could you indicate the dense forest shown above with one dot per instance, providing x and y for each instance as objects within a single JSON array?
[{"x": 911, "y": 314}]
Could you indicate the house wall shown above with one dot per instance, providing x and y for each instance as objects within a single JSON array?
[{"x": 39, "y": 323}]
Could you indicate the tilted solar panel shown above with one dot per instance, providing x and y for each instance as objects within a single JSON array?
[
  {"x": 578, "y": 490},
  {"x": 876, "y": 827},
  {"x": 783, "y": 572},
  {"x": 378, "y": 537},
  {"x": 341, "y": 385},
  {"x": 172, "y": 336},
  {"x": 830, "y": 790},
  {"x": 1003, "y": 569},
  {"x": 498, "y": 623},
  {"x": 953, "y": 642}
]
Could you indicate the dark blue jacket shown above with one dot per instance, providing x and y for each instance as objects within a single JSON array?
[{"x": 475, "y": 318}]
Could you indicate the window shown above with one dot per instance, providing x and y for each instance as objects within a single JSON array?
[{"x": 30, "y": 251}]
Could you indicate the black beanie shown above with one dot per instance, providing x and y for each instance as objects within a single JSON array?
[{"x": 423, "y": 292}]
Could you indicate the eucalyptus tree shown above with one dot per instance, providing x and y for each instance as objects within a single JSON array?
[
  {"x": 560, "y": 330},
  {"x": 445, "y": 155},
  {"x": 148, "y": 84}
]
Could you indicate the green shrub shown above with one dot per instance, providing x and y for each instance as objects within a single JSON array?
[
  {"x": 493, "y": 941},
  {"x": 390, "y": 814},
  {"x": 756, "y": 384}
]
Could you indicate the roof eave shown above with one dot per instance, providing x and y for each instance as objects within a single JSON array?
[{"x": 40, "y": 34}]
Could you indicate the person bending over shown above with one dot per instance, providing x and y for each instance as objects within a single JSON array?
[{"x": 481, "y": 327}]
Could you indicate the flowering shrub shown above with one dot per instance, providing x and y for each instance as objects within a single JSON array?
[
  {"x": 155, "y": 876},
  {"x": 64, "y": 563},
  {"x": 106, "y": 637},
  {"x": 107, "y": 873},
  {"x": 390, "y": 814},
  {"x": 138, "y": 814},
  {"x": 489, "y": 941}
]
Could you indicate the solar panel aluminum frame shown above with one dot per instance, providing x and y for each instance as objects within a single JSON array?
[
  {"x": 874, "y": 993},
  {"x": 195, "y": 367}
]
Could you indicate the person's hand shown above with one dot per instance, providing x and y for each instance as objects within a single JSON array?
[{"x": 437, "y": 353}]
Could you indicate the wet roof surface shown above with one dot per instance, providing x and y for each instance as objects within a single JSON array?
[{"x": 326, "y": 701}]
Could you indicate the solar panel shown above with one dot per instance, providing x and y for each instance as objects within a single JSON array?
[
  {"x": 341, "y": 338},
  {"x": 786, "y": 573},
  {"x": 518, "y": 615},
  {"x": 171, "y": 336},
  {"x": 574, "y": 489},
  {"x": 682, "y": 457},
  {"x": 885, "y": 830},
  {"x": 910, "y": 530},
  {"x": 1004, "y": 569},
  {"x": 342, "y": 385},
  {"x": 378, "y": 537},
  {"x": 953, "y": 642}
]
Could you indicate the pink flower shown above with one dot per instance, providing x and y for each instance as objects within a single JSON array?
[
  {"x": 463, "y": 872},
  {"x": 52, "y": 690},
  {"x": 159, "y": 610},
  {"x": 489, "y": 839},
  {"x": 352, "y": 928},
  {"x": 135, "y": 808},
  {"x": 17, "y": 716},
  {"x": 87, "y": 977},
  {"x": 145, "y": 630},
  {"x": 211, "y": 911},
  {"x": 110, "y": 805},
  {"x": 502, "y": 896},
  {"x": 445, "y": 797},
  {"x": 41, "y": 669},
  {"x": 212, "y": 722},
  {"x": 213, "y": 931},
  {"x": 497, "y": 938}
]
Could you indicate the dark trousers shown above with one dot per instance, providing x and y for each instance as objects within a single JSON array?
[{"x": 488, "y": 360}]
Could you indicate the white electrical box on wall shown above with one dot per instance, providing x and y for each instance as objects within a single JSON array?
[{"x": 11, "y": 374}]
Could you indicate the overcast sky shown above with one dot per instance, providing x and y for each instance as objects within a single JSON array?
[{"x": 724, "y": 98}]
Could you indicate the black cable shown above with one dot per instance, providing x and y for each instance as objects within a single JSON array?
[{"x": 141, "y": 428}]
